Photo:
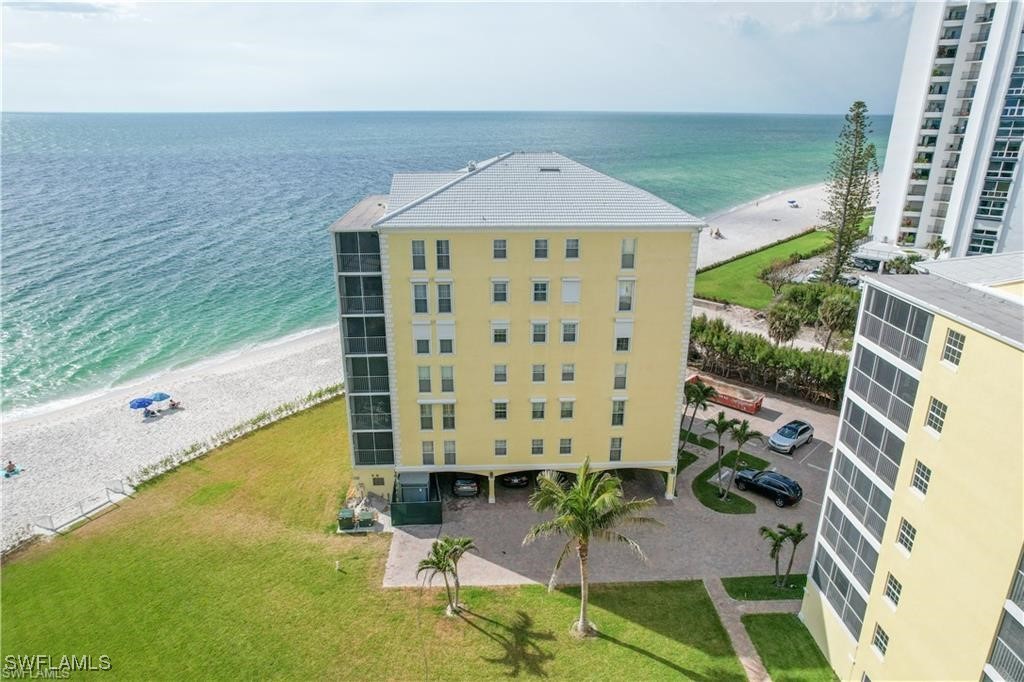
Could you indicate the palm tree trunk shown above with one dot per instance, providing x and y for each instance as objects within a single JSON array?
[
  {"x": 789, "y": 567},
  {"x": 828, "y": 339},
  {"x": 721, "y": 451},
  {"x": 455, "y": 579},
  {"x": 728, "y": 488},
  {"x": 583, "y": 626},
  {"x": 449, "y": 611},
  {"x": 689, "y": 428}
]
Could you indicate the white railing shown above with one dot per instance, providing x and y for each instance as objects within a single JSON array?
[
  {"x": 112, "y": 493},
  {"x": 1006, "y": 661}
]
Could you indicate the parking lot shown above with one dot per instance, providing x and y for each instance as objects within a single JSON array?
[{"x": 693, "y": 541}]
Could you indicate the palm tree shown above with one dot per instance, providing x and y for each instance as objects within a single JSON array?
[
  {"x": 589, "y": 508},
  {"x": 776, "y": 540},
  {"x": 741, "y": 434},
  {"x": 795, "y": 535},
  {"x": 721, "y": 425},
  {"x": 697, "y": 394},
  {"x": 438, "y": 561},
  {"x": 454, "y": 548}
]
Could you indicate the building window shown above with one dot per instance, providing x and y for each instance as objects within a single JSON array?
[
  {"x": 626, "y": 287},
  {"x": 500, "y": 410},
  {"x": 444, "y": 297},
  {"x": 449, "y": 452},
  {"x": 446, "y": 337},
  {"x": 500, "y": 448},
  {"x": 936, "y": 415},
  {"x": 421, "y": 335},
  {"x": 537, "y": 410},
  {"x": 540, "y": 291},
  {"x": 540, "y": 332},
  {"x": 500, "y": 249},
  {"x": 424, "y": 376},
  {"x": 569, "y": 331},
  {"x": 499, "y": 332},
  {"x": 500, "y": 374},
  {"x": 565, "y": 446},
  {"x": 880, "y": 640},
  {"x": 537, "y": 446},
  {"x": 628, "y": 254},
  {"x": 419, "y": 258},
  {"x": 619, "y": 382},
  {"x": 623, "y": 335},
  {"x": 567, "y": 408},
  {"x": 419, "y": 298},
  {"x": 428, "y": 452},
  {"x": 893, "y": 589},
  {"x": 618, "y": 412},
  {"x": 570, "y": 291},
  {"x": 569, "y": 372},
  {"x": 447, "y": 379},
  {"x": 540, "y": 248},
  {"x": 538, "y": 374},
  {"x": 906, "y": 535},
  {"x": 427, "y": 417},
  {"x": 954, "y": 348},
  {"x": 444, "y": 255},
  {"x": 499, "y": 291},
  {"x": 922, "y": 476},
  {"x": 572, "y": 248},
  {"x": 615, "y": 450},
  {"x": 448, "y": 416}
]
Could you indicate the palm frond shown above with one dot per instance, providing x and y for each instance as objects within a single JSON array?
[{"x": 558, "y": 565}]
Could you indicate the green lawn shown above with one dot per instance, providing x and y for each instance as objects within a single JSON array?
[
  {"x": 737, "y": 282},
  {"x": 759, "y": 587},
  {"x": 686, "y": 458},
  {"x": 787, "y": 649},
  {"x": 693, "y": 438},
  {"x": 707, "y": 492},
  {"x": 223, "y": 569}
]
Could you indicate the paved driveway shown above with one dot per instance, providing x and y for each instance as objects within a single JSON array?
[{"x": 694, "y": 541}]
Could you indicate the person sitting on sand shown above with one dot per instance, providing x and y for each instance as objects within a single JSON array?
[
  {"x": 175, "y": 404},
  {"x": 10, "y": 468},
  {"x": 148, "y": 413}
]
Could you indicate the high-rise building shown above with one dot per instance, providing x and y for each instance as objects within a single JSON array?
[
  {"x": 917, "y": 573},
  {"x": 952, "y": 166},
  {"x": 520, "y": 314}
]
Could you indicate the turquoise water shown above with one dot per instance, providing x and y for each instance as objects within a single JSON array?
[{"x": 136, "y": 243}]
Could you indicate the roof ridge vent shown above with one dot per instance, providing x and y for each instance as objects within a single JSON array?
[{"x": 550, "y": 169}]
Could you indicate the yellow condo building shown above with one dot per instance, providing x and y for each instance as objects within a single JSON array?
[
  {"x": 917, "y": 571},
  {"x": 519, "y": 314}
]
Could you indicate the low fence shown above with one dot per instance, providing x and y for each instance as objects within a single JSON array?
[{"x": 83, "y": 510}]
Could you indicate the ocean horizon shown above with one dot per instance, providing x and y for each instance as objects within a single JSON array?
[{"x": 138, "y": 243}]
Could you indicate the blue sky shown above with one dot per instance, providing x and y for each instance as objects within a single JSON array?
[{"x": 736, "y": 57}]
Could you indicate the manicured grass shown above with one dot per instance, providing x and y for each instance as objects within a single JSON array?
[
  {"x": 787, "y": 649},
  {"x": 707, "y": 492},
  {"x": 686, "y": 458},
  {"x": 737, "y": 282},
  {"x": 693, "y": 438},
  {"x": 760, "y": 587},
  {"x": 223, "y": 569}
]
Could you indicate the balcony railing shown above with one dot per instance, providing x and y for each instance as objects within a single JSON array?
[
  {"x": 1017, "y": 593},
  {"x": 367, "y": 384},
  {"x": 939, "y": 213},
  {"x": 966, "y": 94},
  {"x": 1006, "y": 661},
  {"x": 366, "y": 345},
  {"x": 371, "y": 422},
  {"x": 971, "y": 74},
  {"x": 979, "y": 37},
  {"x": 350, "y": 262},
  {"x": 881, "y": 398},
  {"x": 369, "y": 457},
  {"x": 894, "y": 340},
  {"x": 362, "y": 304}
]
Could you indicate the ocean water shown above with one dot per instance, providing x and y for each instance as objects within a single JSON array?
[{"x": 137, "y": 243}]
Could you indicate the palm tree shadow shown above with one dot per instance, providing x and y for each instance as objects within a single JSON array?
[
  {"x": 522, "y": 653},
  {"x": 685, "y": 672}
]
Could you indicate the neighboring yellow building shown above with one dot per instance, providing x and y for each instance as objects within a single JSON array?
[
  {"x": 517, "y": 315},
  {"x": 917, "y": 571}
]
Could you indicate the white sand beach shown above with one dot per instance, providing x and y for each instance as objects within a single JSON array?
[
  {"x": 70, "y": 453},
  {"x": 754, "y": 224}
]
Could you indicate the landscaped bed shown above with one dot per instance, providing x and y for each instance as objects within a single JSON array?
[
  {"x": 736, "y": 281},
  {"x": 787, "y": 649},
  {"x": 762, "y": 587},
  {"x": 227, "y": 568},
  {"x": 707, "y": 491}
]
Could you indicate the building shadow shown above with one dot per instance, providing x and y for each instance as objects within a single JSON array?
[{"x": 520, "y": 643}]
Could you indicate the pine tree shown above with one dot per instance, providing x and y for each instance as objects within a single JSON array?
[{"x": 852, "y": 184}]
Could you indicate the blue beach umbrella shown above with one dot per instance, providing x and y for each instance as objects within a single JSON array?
[
  {"x": 140, "y": 403},
  {"x": 159, "y": 396}
]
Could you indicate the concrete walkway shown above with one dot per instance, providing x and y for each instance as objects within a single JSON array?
[{"x": 731, "y": 611}]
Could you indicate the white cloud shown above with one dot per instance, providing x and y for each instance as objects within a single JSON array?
[
  {"x": 783, "y": 18},
  {"x": 33, "y": 47}
]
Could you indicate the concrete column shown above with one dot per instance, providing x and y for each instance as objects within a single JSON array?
[
  {"x": 490, "y": 487},
  {"x": 670, "y": 484}
]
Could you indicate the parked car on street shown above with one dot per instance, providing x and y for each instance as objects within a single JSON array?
[
  {"x": 791, "y": 436},
  {"x": 781, "y": 489},
  {"x": 866, "y": 264},
  {"x": 465, "y": 486},
  {"x": 516, "y": 480}
]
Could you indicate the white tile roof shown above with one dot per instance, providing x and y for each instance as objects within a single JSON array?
[
  {"x": 525, "y": 189},
  {"x": 994, "y": 269}
]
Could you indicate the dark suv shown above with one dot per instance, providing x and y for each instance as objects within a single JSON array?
[{"x": 782, "y": 489}]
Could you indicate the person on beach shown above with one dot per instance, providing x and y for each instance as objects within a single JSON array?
[
  {"x": 175, "y": 404},
  {"x": 10, "y": 468}
]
